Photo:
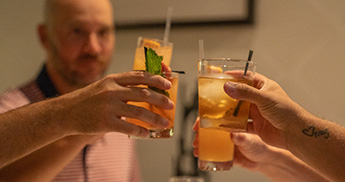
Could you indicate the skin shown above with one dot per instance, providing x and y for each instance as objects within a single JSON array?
[
  {"x": 65, "y": 116},
  {"x": 277, "y": 164},
  {"x": 281, "y": 122},
  {"x": 78, "y": 37},
  {"x": 254, "y": 154}
]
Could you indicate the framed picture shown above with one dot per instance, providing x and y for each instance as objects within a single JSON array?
[{"x": 153, "y": 13}]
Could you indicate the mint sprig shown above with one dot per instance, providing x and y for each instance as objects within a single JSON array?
[{"x": 153, "y": 63}]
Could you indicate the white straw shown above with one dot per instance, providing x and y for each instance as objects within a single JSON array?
[
  {"x": 201, "y": 49},
  {"x": 167, "y": 26}
]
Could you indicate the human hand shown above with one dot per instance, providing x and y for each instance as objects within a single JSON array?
[
  {"x": 276, "y": 163},
  {"x": 272, "y": 111},
  {"x": 251, "y": 152},
  {"x": 101, "y": 106}
]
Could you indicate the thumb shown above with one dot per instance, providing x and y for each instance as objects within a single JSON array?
[
  {"x": 241, "y": 91},
  {"x": 241, "y": 140},
  {"x": 249, "y": 144}
]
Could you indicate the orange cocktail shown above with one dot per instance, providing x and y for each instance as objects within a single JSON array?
[
  {"x": 216, "y": 108},
  {"x": 162, "y": 49},
  {"x": 168, "y": 114},
  {"x": 216, "y": 150}
]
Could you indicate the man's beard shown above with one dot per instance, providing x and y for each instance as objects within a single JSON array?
[{"x": 74, "y": 78}]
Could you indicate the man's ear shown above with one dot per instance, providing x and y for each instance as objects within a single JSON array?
[{"x": 42, "y": 31}]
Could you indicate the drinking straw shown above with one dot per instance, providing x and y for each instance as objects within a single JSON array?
[
  {"x": 201, "y": 49},
  {"x": 245, "y": 73},
  {"x": 179, "y": 72},
  {"x": 167, "y": 26},
  {"x": 249, "y": 59}
]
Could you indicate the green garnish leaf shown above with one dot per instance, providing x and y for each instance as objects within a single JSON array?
[{"x": 153, "y": 63}]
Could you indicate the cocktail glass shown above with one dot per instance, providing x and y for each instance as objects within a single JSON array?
[
  {"x": 162, "y": 49},
  {"x": 219, "y": 113}
]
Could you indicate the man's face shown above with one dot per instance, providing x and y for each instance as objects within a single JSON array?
[{"x": 81, "y": 40}]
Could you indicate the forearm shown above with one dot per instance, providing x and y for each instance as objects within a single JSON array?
[
  {"x": 27, "y": 129},
  {"x": 45, "y": 163},
  {"x": 320, "y": 144},
  {"x": 286, "y": 167}
]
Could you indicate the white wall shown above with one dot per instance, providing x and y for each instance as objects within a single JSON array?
[
  {"x": 297, "y": 43},
  {"x": 20, "y": 54}
]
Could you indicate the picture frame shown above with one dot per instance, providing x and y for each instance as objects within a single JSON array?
[{"x": 152, "y": 13}]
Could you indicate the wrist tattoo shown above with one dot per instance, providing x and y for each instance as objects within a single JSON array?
[{"x": 312, "y": 131}]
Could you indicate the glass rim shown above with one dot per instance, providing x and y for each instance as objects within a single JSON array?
[
  {"x": 157, "y": 40},
  {"x": 172, "y": 74},
  {"x": 227, "y": 60}
]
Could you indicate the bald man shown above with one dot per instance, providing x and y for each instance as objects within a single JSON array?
[{"x": 78, "y": 38}]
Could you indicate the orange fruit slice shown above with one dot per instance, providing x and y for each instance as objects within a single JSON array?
[
  {"x": 151, "y": 44},
  {"x": 214, "y": 69}
]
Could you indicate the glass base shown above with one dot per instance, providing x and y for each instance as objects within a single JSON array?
[
  {"x": 157, "y": 134},
  {"x": 186, "y": 179},
  {"x": 214, "y": 166}
]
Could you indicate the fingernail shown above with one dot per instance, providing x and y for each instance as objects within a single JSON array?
[
  {"x": 144, "y": 133},
  {"x": 165, "y": 122},
  {"x": 139, "y": 132},
  {"x": 171, "y": 104},
  {"x": 167, "y": 84},
  {"x": 229, "y": 87}
]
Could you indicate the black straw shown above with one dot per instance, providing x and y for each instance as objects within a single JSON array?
[
  {"x": 245, "y": 72},
  {"x": 249, "y": 59},
  {"x": 179, "y": 72}
]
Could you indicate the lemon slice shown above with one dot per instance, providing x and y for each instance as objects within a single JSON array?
[{"x": 151, "y": 44}]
